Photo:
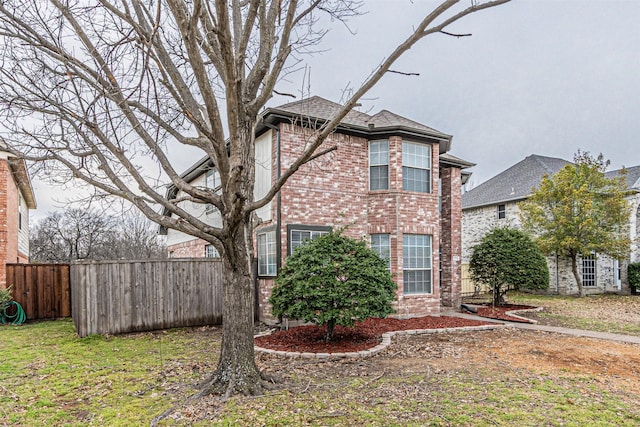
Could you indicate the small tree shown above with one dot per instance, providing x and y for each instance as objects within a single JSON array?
[
  {"x": 333, "y": 280},
  {"x": 508, "y": 259},
  {"x": 578, "y": 211},
  {"x": 633, "y": 272}
]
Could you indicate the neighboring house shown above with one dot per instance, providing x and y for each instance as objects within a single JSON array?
[
  {"x": 389, "y": 179},
  {"x": 16, "y": 198},
  {"x": 495, "y": 203}
]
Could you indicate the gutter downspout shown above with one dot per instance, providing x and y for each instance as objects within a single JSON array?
[{"x": 278, "y": 201}]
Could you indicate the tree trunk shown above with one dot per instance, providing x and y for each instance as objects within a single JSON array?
[
  {"x": 236, "y": 371},
  {"x": 574, "y": 268},
  {"x": 331, "y": 324}
]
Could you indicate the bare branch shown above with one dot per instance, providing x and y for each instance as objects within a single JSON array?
[{"x": 403, "y": 73}]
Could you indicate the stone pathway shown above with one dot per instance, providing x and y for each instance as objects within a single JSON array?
[{"x": 560, "y": 330}]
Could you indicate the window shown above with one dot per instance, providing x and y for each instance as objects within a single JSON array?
[
  {"x": 416, "y": 255},
  {"x": 502, "y": 212},
  {"x": 19, "y": 212},
  {"x": 267, "y": 253},
  {"x": 589, "y": 270},
  {"x": 210, "y": 251},
  {"x": 299, "y": 234},
  {"x": 416, "y": 167},
  {"x": 381, "y": 244},
  {"x": 379, "y": 165},
  {"x": 212, "y": 181}
]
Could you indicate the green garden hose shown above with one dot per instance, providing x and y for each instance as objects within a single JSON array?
[{"x": 16, "y": 318}]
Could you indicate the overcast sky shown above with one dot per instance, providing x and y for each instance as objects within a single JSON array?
[{"x": 536, "y": 77}]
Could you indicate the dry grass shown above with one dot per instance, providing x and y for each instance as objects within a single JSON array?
[{"x": 49, "y": 377}]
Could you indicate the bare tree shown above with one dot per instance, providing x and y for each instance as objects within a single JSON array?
[
  {"x": 76, "y": 233},
  {"x": 70, "y": 235},
  {"x": 96, "y": 91}
]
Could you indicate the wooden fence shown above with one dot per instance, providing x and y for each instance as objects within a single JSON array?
[
  {"x": 42, "y": 290},
  {"x": 469, "y": 288},
  {"x": 110, "y": 297}
]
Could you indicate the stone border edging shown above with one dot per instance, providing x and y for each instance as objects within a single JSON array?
[
  {"x": 512, "y": 313},
  {"x": 386, "y": 341}
]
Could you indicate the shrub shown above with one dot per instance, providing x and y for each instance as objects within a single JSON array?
[
  {"x": 507, "y": 259},
  {"x": 5, "y": 295},
  {"x": 333, "y": 280},
  {"x": 633, "y": 272}
]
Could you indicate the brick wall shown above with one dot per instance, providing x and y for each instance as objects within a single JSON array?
[
  {"x": 333, "y": 190},
  {"x": 189, "y": 249},
  {"x": 9, "y": 223},
  {"x": 451, "y": 241}
]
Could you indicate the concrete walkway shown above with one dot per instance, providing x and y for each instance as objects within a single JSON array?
[{"x": 557, "y": 329}]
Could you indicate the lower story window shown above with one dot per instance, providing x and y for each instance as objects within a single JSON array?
[
  {"x": 381, "y": 244},
  {"x": 300, "y": 234},
  {"x": 210, "y": 251},
  {"x": 589, "y": 270},
  {"x": 416, "y": 264},
  {"x": 267, "y": 253}
]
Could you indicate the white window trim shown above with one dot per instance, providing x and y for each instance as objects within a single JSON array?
[
  {"x": 407, "y": 269},
  {"x": 428, "y": 169},
  {"x": 377, "y": 247},
  {"x": 380, "y": 164},
  {"x": 271, "y": 257}
]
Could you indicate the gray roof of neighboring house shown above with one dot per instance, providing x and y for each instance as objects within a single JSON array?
[
  {"x": 514, "y": 183},
  {"x": 633, "y": 176}
]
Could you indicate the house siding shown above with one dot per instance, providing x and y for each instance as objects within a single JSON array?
[
  {"x": 332, "y": 190},
  {"x": 476, "y": 222},
  {"x": 14, "y": 240}
]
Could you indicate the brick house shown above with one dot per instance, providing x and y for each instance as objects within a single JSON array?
[
  {"x": 495, "y": 203},
  {"x": 390, "y": 179},
  {"x": 16, "y": 198}
]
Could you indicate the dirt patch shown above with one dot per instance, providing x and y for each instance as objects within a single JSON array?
[
  {"x": 501, "y": 312},
  {"x": 416, "y": 367},
  {"x": 509, "y": 348},
  {"x": 364, "y": 335}
]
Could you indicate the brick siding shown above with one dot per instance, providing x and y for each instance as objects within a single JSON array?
[{"x": 333, "y": 190}]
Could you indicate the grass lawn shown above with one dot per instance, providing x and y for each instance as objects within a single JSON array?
[
  {"x": 49, "y": 377},
  {"x": 603, "y": 313}
]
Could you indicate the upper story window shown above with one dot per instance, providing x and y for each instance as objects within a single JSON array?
[
  {"x": 416, "y": 167},
  {"x": 212, "y": 181},
  {"x": 381, "y": 244},
  {"x": 379, "y": 165},
  {"x": 502, "y": 212}
]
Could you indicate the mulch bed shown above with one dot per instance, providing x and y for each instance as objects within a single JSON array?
[
  {"x": 365, "y": 334},
  {"x": 499, "y": 312}
]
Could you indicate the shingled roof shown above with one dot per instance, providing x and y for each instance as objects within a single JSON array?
[
  {"x": 633, "y": 177},
  {"x": 514, "y": 183},
  {"x": 380, "y": 124}
]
